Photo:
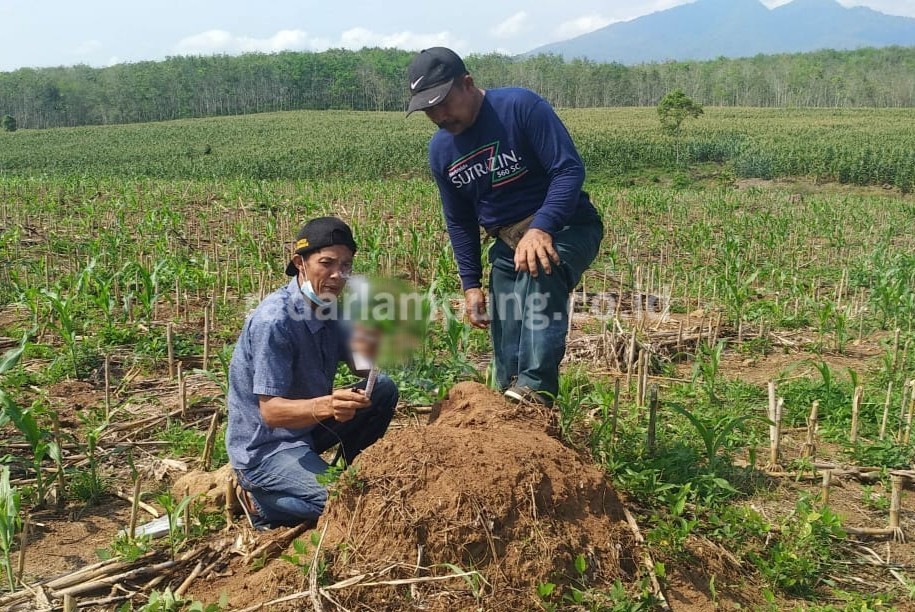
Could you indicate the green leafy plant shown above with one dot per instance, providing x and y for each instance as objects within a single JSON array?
[
  {"x": 303, "y": 558},
  {"x": 706, "y": 368},
  {"x": 338, "y": 477},
  {"x": 10, "y": 523},
  {"x": 65, "y": 321},
  {"x": 168, "y": 601},
  {"x": 803, "y": 552},
  {"x": 89, "y": 485},
  {"x": 126, "y": 548},
  {"x": 714, "y": 434},
  {"x": 175, "y": 511}
]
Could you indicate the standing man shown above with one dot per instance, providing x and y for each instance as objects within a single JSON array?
[
  {"x": 503, "y": 160},
  {"x": 283, "y": 409}
]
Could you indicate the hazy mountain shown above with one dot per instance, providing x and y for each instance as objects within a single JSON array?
[{"x": 707, "y": 29}]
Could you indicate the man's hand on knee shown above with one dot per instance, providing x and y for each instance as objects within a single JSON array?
[{"x": 535, "y": 247}]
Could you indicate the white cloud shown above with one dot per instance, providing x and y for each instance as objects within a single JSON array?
[
  {"x": 582, "y": 25},
  {"x": 220, "y": 41},
  {"x": 356, "y": 38},
  {"x": 512, "y": 26}
]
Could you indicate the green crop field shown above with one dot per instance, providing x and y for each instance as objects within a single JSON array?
[
  {"x": 758, "y": 246},
  {"x": 864, "y": 147}
]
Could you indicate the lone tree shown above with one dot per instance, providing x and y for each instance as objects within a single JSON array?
[
  {"x": 674, "y": 108},
  {"x": 8, "y": 123}
]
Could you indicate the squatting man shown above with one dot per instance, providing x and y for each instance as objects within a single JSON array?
[{"x": 283, "y": 410}]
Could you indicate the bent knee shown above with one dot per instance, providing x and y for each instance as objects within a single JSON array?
[{"x": 385, "y": 393}]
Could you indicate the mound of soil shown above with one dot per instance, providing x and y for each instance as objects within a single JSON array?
[{"x": 483, "y": 487}]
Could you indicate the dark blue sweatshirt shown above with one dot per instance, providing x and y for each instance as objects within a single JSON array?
[{"x": 516, "y": 160}]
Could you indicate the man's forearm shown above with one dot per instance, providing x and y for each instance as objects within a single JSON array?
[{"x": 295, "y": 413}]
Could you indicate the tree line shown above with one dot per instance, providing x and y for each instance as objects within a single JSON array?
[{"x": 373, "y": 79}]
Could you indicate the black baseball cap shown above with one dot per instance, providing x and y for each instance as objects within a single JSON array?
[
  {"x": 319, "y": 233},
  {"x": 432, "y": 73}
]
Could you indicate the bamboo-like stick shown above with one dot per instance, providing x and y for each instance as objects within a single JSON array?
[
  {"x": 903, "y": 404},
  {"x": 170, "y": 342},
  {"x": 206, "y": 337},
  {"x": 640, "y": 380},
  {"x": 23, "y": 545},
  {"x": 69, "y": 603},
  {"x": 616, "y": 410},
  {"x": 134, "y": 509},
  {"x": 908, "y": 416},
  {"x": 230, "y": 497},
  {"x": 99, "y": 568},
  {"x": 107, "y": 386},
  {"x": 652, "y": 417},
  {"x": 895, "y": 351},
  {"x": 210, "y": 441},
  {"x": 107, "y": 581},
  {"x": 182, "y": 391},
  {"x": 313, "y": 575},
  {"x": 187, "y": 310},
  {"x": 773, "y": 426},
  {"x": 871, "y": 531},
  {"x": 187, "y": 513},
  {"x": 855, "y": 409},
  {"x": 810, "y": 444},
  {"x": 895, "y": 500},
  {"x": 827, "y": 482},
  {"x": 198, "y": 569},
  {"x": 177, "y": 296},
  {"x": 646, "y": 560},
  {"x": 630, "y": 361},
  {"x": 225, "y": 283},
  {"x": 61, "y": 485},
  {"x": 886, "y": 410}
]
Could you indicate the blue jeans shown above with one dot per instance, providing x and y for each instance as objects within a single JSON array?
[
  {"x": 530, "y": 315},
  {"x": 284, "y": 486}
]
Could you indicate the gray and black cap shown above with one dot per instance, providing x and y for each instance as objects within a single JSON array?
[
  {"x": 319, "y": 233},
  {"x": 432, "y": 73}
]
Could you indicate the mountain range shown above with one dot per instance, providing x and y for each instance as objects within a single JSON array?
[{"x": 707, "y": 29}]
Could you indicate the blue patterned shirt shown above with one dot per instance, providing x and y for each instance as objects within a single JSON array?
[{"x": 284, "y": 350}]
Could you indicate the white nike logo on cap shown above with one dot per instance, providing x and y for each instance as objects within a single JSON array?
[
  {"x": 434, "y": 100},
  {"x": 416, "y": 82}
]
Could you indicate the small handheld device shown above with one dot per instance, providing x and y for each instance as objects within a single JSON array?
[{"x": 370, "y": 383}]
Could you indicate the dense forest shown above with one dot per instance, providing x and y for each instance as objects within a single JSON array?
[{"x": 373, "y": 79}]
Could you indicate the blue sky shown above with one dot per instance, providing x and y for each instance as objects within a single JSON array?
[{"x": 37, "y": 33}]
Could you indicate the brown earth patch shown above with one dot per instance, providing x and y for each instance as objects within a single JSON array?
[
  {"x": 482, "y": 488},
  {"x": 65, "y": 540}
]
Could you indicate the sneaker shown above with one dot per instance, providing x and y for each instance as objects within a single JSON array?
[{"x": 525, "y": 395}]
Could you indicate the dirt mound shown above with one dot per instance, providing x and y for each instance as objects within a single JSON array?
[{"x": 482, "y": 488}]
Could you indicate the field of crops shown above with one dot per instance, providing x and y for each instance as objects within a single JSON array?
[
  {"x": 717, "y": 300},
  {"x": 864, "y": 147}
]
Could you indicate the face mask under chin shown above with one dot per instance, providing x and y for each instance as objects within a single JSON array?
[{"x": 309, "y": 292}]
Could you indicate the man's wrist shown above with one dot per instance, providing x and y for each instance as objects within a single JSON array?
[{"x": 321, "y": 408}]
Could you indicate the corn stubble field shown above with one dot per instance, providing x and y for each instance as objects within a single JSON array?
[{"x": 757, "y": 266}]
